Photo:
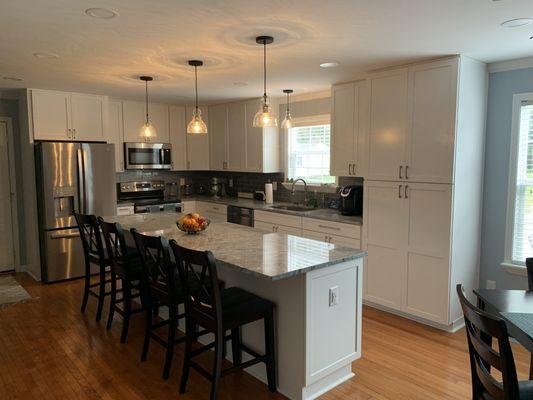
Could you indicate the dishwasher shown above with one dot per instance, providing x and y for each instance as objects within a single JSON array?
[{"x": 241, "y": 215}]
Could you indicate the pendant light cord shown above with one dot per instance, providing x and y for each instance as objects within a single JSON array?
[
  {"x": 265, "y": 71},
  {"x": 147, "y": 117},
  {"x": 196, "y": 86},
  {"x": 288, "y": 107}
]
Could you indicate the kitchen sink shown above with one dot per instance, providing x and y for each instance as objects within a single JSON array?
[{"x": 292, "y": 208}]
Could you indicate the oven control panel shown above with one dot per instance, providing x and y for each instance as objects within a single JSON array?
[{"x": 138, "y": 186}]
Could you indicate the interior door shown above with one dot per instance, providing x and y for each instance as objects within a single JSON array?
[
  {"x": 433, "y": 102},
  {"x": 218, "y": 130},
  {"x": 50, "y": 115},
  {"x": 428, "y": 249},
  {"x": 236, "y": 137},
  {"x": 87, "y": 114},
  {"x": 7, "y": 249},
  {"x": 197, "y": 145},
  {"x": 388, "y": 125},
  {"x": 343, "y": 121},
  {"x": 385, "y": 223}
]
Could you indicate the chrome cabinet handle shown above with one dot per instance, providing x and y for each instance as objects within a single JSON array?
[
  {"x": 74, "y": 130},
  {"x": 329, "y": 227},
  {"x": 400, "y": 191},
  {"x": 353, "y": 169},
  {"x": 400, "y": 172},
  {"x": 405, "y": 191},
  {"x": 406, "y": 169},
  {"x": 349, "y": 169},
  {"x": 69, "y": 133}
]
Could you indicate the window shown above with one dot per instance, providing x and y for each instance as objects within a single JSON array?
[
  {"x": 308, "y": 145},
  {"x": 519, "y": 244}
]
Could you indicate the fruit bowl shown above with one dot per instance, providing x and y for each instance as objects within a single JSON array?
[{"x": 192, "y": 223}]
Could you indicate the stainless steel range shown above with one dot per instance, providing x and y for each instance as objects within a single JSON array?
[{"x": 147, "y": 196}]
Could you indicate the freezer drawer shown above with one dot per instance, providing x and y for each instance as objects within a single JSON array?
[{"x": 63, "y": 255}]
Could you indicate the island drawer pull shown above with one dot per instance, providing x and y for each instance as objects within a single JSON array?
[{"x": 330, "y": 227}]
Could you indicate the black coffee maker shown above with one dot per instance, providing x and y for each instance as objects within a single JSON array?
[{"x": 352, "y": 200}]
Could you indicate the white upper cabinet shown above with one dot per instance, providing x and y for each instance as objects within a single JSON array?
[
  {"x": 135, "y": 117},
  {"x": 433, "y": 103},
  {"x": 388, "y": 125},
  {"x": 178, "y": 137},
  {"x": 115, "y": 132},
  {"x": 236, "y": 137},
  {"x": 67, "y": 116},
  {"x": 349, "y": 121},
  {"x": 197, "y": 145},
  {"x": 218, "y": 141}
]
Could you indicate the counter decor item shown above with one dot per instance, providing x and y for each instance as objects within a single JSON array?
[
  {"x": 193, "y": 223},
  {"x": 269, "y": 193}
]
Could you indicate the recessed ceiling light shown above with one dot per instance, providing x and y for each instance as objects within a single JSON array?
[
  {"x": 517, "y": 22},
  {"x": 45, "y": 54},
  {"x": 329, "y": 65},
  {"x": 102, "y": 13},
  {"x": 240, "y": 84},
  {"x": 12, "y": 78}
]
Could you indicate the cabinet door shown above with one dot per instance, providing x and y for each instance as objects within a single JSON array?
[
  {"x": 343, "y": 120},
  {"x": 218, "y": 132},
  {"x": 388, "y": 124},
  {"x": 197, "y": 145},
  {"x": 264, "y": 226},
  {"x": 115, "y": 132},
  {"x": 254, "y": 139},
  {"x": 134, "y": 115},
  {"x": 322, "y": 237},
  {"x": 289, "y": 230},
  {"x": 160, "y": 119},
  {"x": 178, "y": 138},
  {"x": 87, "y": 115},
  {"x": 236, "y": 137},
  {"x": 50, "y": 112},
  {"x": 385, "y": 225},
  {"x": 432, "y": 100},
  {"x": 428, "y": 249}
]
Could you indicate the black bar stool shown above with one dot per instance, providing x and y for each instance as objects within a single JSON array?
[
  {"x": 126, "y": 266},
  {"x": 93, "y": 250},
  {"x": 219, "y": 310}
]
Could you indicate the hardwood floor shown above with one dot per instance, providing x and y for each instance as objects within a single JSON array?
[{"x": 49, "y": 350}]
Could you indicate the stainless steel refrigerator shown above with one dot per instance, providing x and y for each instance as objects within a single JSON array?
[{"x": 70, "y": 177}]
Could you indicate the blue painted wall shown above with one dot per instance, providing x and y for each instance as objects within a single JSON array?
[{"x": 502, "y": 87}]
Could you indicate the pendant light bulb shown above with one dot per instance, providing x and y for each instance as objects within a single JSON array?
[
  {"x": 196, "y": 126},
  {"x": 147, "y": 131},
  {"x": 287, "y": 122},
  {"x": 264, "y": 116}
]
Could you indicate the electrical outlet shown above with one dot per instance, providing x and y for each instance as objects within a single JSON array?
[
  {"x": 230, "y": 183},
  {"x": 182, "y": 181},
  {"x": 333, "y": 296},
  {"x": 274, "y": 185},
  {"x": 491, "y": 284}
]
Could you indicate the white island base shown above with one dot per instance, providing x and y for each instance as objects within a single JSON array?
[{"x": 316, "y": 343}]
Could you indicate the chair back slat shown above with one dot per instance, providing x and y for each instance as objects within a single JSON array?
[
  {"x": 90, "y": 234},
  {"x": 199, "y": 280},
  {"x": 115, "y": 243},
  {"x": 481, "y": 329}
]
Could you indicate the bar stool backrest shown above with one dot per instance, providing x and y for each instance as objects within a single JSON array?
[{"x": 91, "y": 236}]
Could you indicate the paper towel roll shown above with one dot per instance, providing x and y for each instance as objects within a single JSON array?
[{"x": 269, "y": 193}]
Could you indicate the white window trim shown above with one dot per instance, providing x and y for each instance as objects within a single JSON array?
[
  {"x": 508, "y": 264},
  {"x": 321, "y": 119}
]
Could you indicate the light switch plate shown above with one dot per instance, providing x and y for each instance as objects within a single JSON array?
[
  {"x": 333, "y": 296},
  {"x": 182, "y": 181},
  {"x": 491, "y": 284}
]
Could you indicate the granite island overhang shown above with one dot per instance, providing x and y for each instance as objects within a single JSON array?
[{"x": 316, "y": 286}]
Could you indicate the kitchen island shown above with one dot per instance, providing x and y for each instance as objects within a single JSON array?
[{"x": 316, "y": 286}]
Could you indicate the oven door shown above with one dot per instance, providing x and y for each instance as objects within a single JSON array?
[{"x": 147, "y": 155}]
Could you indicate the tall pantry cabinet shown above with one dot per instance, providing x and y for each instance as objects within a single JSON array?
[{"x": 423, "y": 187}]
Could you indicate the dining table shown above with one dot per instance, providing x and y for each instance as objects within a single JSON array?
[{"x": 515, "y": 307}]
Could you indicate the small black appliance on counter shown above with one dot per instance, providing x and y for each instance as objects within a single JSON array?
[{"x": 352, "y": 200}]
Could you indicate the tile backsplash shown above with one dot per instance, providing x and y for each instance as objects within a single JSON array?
[{"x": 241, "y": 182}]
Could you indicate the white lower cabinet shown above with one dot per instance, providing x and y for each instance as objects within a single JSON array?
[
  {"x": 125, "y": 210},
  {"x": 275, "y": 222},
  {"x": 335, "y": 239},
  {"x": 407, "y": 231},
  {"x": 214, "y": 211},
  {"x": 188, "y": 207},
  {"x": 269, "y": 227}
]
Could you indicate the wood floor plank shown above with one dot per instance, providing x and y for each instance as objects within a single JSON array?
[{"x": 49, "y": 350}]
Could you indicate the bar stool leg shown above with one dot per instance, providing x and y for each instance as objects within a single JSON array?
[
  {"x": 101, "y": 294},
  {"x": 113, "y": 301},
  {"x": 170, "y": 341},
  {"x": 190, "y": 334},
  {"x": 236, "y": 346},
  {"x": 147, "y": 333},
  {"x": 217, "y": 365},
  {"x": 270, "y": 348},
  {"x": 126, "y": 293},
  {"x": 86, "y": 285}
]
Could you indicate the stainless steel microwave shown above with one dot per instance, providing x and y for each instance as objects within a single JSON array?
[{"x": 147, "y": 155}]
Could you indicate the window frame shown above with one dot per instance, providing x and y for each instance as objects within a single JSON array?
[
  {"x": 321, "y": 119},
  {"x": 508, "y": 263}
]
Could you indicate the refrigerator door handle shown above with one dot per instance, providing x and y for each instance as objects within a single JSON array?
[{"x": 81, "y": 182}]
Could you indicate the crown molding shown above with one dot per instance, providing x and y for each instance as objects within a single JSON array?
[{"x": 510, "y": 65}]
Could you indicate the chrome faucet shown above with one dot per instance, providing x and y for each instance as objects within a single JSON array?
[{"x": 305, "y": 188}]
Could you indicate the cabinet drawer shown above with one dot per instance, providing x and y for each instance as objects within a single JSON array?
[
  {"x": 332, "y": 228},
  {"x": 278, "y": 219},
  {"x": 335, "y": 239},
  {"x": 268, "y": 227},
  {"x": 211, "y": 208}
]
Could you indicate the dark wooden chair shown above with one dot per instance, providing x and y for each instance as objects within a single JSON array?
[
  {"x": 126, "y": 266},
  {"x": 218, "y": 310},
  {"x": 94, "y": 254},
  {"x": 481, "y": 329},
  {"x": 162, "y": 288}
]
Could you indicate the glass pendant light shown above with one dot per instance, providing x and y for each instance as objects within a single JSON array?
[
  {"x": 197, "y": 126},
  {"x": 147, "y": 131},
  {"x": 265, "y": 117},
  {"x": 287, "y": 122}
]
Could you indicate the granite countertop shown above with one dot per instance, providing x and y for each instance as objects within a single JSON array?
[
  {"x": 271, "y": 256},
  {"x": 326, "y": 214}
]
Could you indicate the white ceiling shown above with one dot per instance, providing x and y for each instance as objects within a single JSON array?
[{"x": 157, "y": 37}]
